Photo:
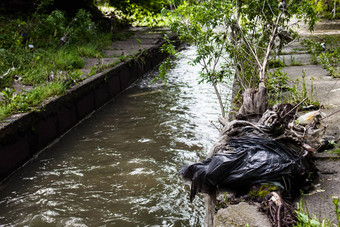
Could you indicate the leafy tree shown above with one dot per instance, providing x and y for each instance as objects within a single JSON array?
[
  {"x": 245, "y": 34},
  {"x": 329, "y": 9},
  {"x": 131, "y": 8},
  {"x": 128, "y": 6}
]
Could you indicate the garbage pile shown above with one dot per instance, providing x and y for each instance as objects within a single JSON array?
[{"x": 276, "y": 150}]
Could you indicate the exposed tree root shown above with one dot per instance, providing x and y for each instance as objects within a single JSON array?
[{"x": 280, "y": 212}]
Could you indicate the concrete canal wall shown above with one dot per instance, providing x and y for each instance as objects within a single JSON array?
[{"x": 22, "y": 138}]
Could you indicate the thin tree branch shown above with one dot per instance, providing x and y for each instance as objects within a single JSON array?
[
  {"x": 216, "y": 90},
  {"x": 249, "y": 46},
  {"x": 270, "y": 8},
  {"x": 269, "y": 47}
]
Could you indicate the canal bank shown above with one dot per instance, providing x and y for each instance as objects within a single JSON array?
[
  {"x": 325, "y": 89},
  {"x": 22, "y": 136},
  {"x": 138, "y": 172},
  {"x": 120, "y": 166}
]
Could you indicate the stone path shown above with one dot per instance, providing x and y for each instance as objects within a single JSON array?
[
  {"x": 139, "y": 40},
  {"x": 327, "y": 91}
]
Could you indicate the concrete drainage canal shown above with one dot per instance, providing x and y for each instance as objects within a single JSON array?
[{"x": 119, "y": 167}]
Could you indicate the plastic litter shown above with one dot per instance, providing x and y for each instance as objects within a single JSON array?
[
  {"x": 248, "y": 161},
  {"x": 310, "y": 117}
]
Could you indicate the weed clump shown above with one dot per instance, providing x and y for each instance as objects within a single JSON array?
[{"x": 325, "y": 52}]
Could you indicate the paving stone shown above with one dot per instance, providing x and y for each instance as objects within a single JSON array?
[{"x": 241, "y": 215}]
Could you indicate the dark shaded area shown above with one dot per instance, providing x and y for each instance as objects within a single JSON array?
[
  {"x": 28, "y": 7},
  {"x": 71, "y": 7},
  {"x": 16, "y": 6}
]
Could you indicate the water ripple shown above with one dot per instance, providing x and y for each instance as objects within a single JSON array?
[{"x": 120, "y": 167}]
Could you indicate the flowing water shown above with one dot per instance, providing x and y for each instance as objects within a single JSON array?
[{"x": 119, "y": 167}]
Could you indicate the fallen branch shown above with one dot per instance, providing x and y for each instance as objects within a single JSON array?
[
  {"x": 331, "y": 114},
  {"x": 296, "y": 106}
]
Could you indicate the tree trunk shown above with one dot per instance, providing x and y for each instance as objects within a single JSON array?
[{"x": 254, "y": 103}]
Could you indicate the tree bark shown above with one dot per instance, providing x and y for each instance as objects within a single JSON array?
[{"x": 254, "y": 103}]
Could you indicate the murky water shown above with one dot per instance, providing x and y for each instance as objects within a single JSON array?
[{"x": 119, "y": 167}]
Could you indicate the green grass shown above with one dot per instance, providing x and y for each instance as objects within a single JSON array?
[
  {"x": 276, "y": 63},
  {"x": 305, "y": 219},
  {"x": 89, "y": 50},
  {"x": 67, "y": 58},
  {"x": 336, "y": 151},
  {"x": 28, "y": 100},
  {"x": 293, "y": 62},
  {"x": 329, "y": 57},
  {"x": 36, "y": 75},
  {"x": 41, "y": 61}
]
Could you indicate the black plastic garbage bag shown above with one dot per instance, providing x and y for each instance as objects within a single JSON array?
[{"x": 250, "y": 161}]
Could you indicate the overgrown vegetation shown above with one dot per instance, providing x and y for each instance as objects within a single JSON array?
[
  {"x": 47, "y": 43},
  {"x": 45, "y": 51},
  {"x": 278, "y": 84},
  {"x": 28, "y": 100},
  {"x": 305, "y": 219},
  {"x": 234, "y": 34},
  {"x": 329, "y": 9},
  {"x": 299, "y": 92},
  {"x": 281, "y": 89},
  {"x": 138, "y": 13},
  {"x": 276, "y": 63},
  {"x": 326, "y": 52}
]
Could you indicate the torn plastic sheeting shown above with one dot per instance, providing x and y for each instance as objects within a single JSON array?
[{"x": 252, "y": 160}]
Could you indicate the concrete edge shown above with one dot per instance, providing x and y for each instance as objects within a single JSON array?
[{"x": 22, "y": 138}]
